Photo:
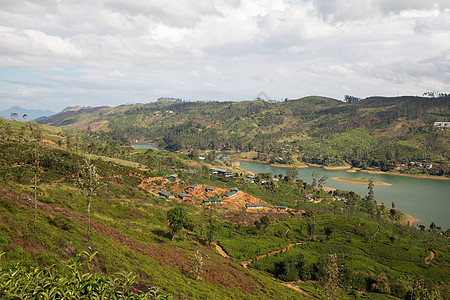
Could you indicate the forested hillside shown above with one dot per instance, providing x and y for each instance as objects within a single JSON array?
[
  {"x": 377, "y": 132},
  {"x": 271, "y": 237}
]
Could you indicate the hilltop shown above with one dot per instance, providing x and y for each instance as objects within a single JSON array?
[
  {"x": 383, "y": 133},
  {"x": 291, "y": 241}
]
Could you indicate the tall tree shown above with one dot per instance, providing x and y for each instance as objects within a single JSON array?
[
  {"x": 370, "y": 198},
  {"x": 177, "y": 218},
  {"x": 314, "y": 177},
  {"x": 433, "y": 226},
  {"x": 35, "y": 135},
  {"x": 370, "y": 194},
  {"x": 89, "y": 184},
  {"x": 211, "y": 226},
  {"x": 311, "y": 226},
  {"x": 211, "y": 157},
  {"x": 322, "y": 180},
  {"x": 331, "y": 282},
  {"x": 301, "y": 193},
  {"x": 292, "y": 173},
  {"x": 264, "y": 222},
  {"x": 198, "y": 264}
]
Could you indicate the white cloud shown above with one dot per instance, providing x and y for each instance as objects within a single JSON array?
[
  {"x": 114, "y": 51},
  {"x": 348, "y": 10}
]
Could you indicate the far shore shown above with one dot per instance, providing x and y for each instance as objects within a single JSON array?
[
  {"x": 330, "y": 167},
  {"x": 349, "y": 180},
  {"x": 272, "y": 165},
  {"x": 406, "y": 175},
  {"x": 348, "y": 168}
]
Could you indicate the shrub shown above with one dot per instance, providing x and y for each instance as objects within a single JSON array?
[{"x": 68, "y": 282}]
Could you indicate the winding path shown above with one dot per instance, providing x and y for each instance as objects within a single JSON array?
[
  {"x": 430, "y": 257},
  {"x": 222, "y": 252},
  {"x": 378, "y": 230},
  {"x": 292, "y": 286},
  {"x": 288, "y": 246}
]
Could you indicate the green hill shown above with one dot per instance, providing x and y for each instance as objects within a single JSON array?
[
  {"x": 378, "y": 132},
  {"x": 371, "y": 254}
]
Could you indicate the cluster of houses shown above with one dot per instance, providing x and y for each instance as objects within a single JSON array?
[
  {"x": 343, "y": 199},
  {"x": 442, "y": 125},
  {"x": 427, "y": 166},
  {"x": 222, "y": 172},
  {"x": 162, "y": 194}
]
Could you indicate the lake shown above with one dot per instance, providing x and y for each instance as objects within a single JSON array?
[
  {"x": 422, "y": 198},
  {"x": 146, "y": 146}
]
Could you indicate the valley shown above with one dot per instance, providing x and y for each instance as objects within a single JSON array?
[{"x": 187, "y": 223}]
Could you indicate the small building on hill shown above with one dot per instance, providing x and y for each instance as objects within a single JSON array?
[
  {"x": 230, "y": 194},
  {"x": 183, "y": 196},
  {"x": 210, "y": 189},
  {"x": 282, "y": 208},
  {"x": 222, "y": 172},
  {"x": 164, "y": 194},
  {"x": 212, "y": 201},
  {"x": 192, "y": 186},
  {"x": 235, "y": 189},
  {"x": 253, "y": 206},
  {"x": 442, "y": 125}
]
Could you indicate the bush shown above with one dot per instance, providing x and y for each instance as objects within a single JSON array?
[
  {"x": 63, "y": 222},
  {"x": 68, "y": 282}
]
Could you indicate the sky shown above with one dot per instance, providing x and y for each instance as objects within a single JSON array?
[{"x": 59, "y": 53}]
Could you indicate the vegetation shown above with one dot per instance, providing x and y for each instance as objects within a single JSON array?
[
  {"x": 339, "y": 244},
  {"x": 387, "y": 134},
  {"x": 177, "y": 219},
  {"x": 89, "y": 184},
  {"x": 68, "y": 281}
]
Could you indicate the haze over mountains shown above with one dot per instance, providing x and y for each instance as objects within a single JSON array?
[{"x": 31, "y": 114}]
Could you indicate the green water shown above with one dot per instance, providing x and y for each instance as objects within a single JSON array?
[
  {"x": 425, "y": 199},
  {"x": 146, "y": 146}
]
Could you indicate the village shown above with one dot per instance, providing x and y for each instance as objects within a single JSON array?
[{"x": 172, "y": 188}]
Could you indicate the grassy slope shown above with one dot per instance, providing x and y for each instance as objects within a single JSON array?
[{"x": 130, "y": 231}]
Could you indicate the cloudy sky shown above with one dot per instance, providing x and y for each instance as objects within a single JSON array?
[{"x": 59, "y": 53}]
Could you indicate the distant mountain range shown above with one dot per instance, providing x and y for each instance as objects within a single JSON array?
[{"x": 30, "y": 114}]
